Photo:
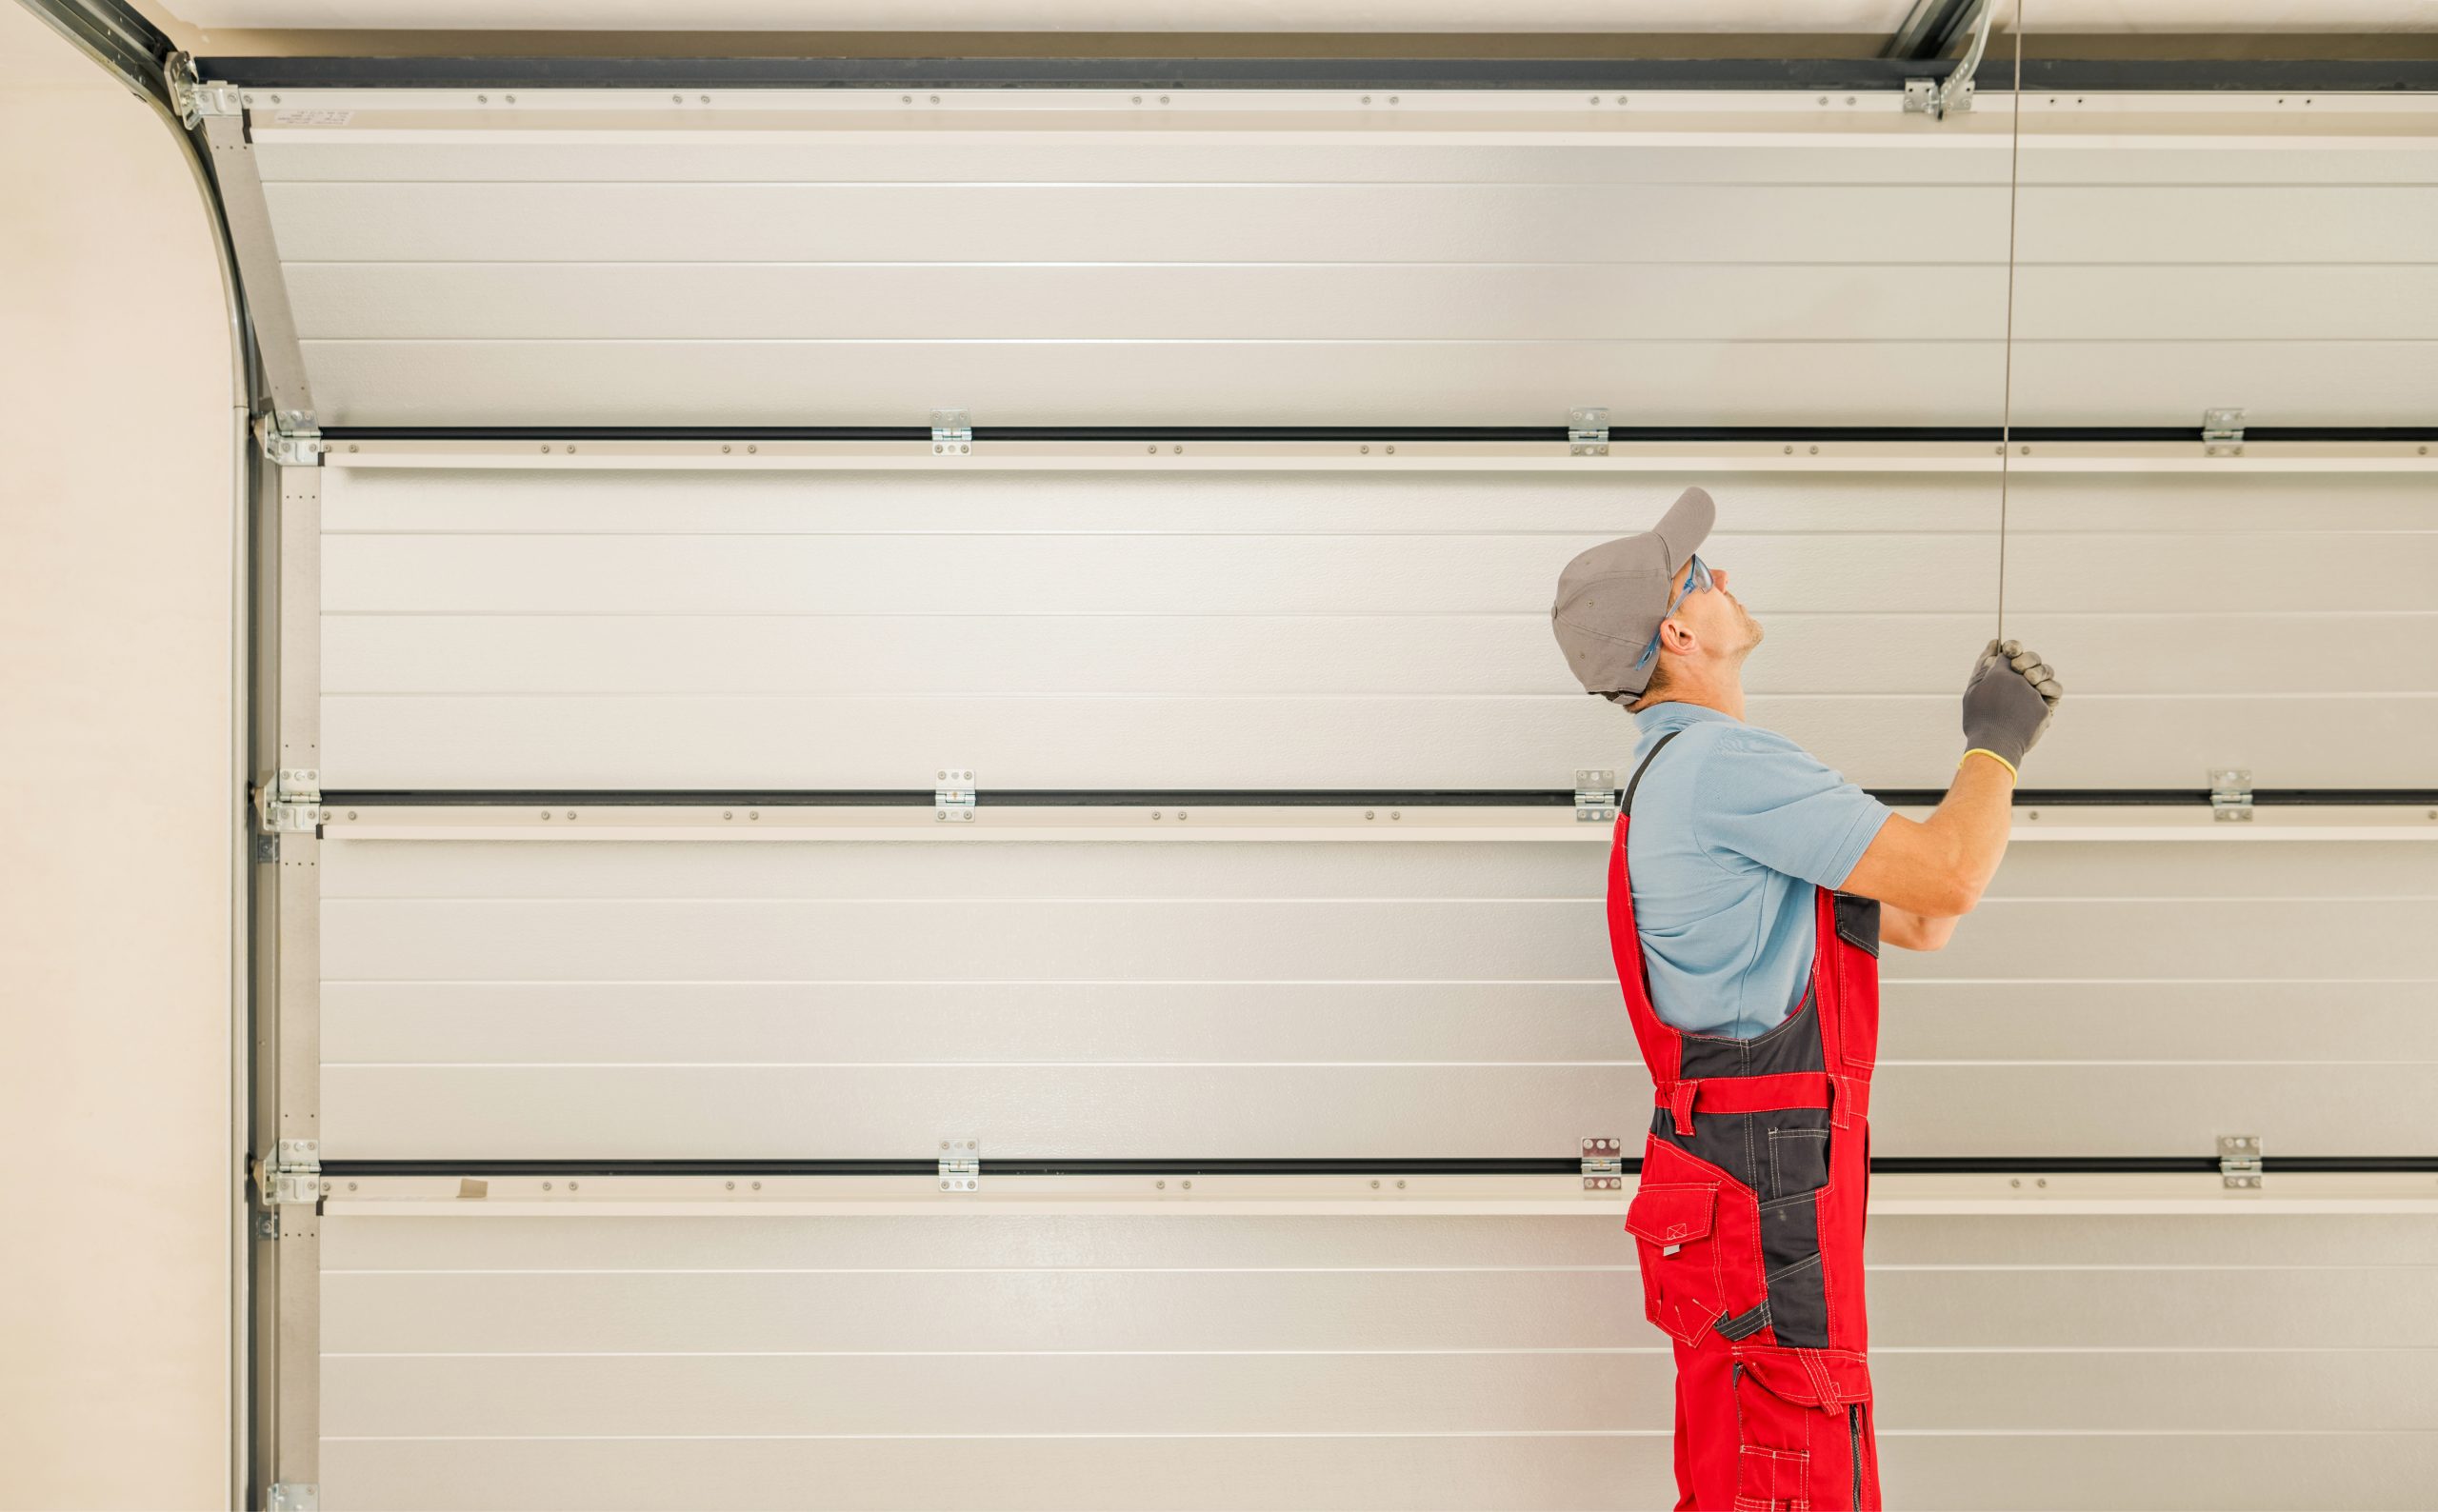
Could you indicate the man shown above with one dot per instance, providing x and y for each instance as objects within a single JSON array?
[{"x": 1746, "y": 913}]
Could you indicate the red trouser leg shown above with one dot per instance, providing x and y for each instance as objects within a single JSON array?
[
  {"x": 1761, "y": 1428},
  {"x": 1705, "y": 1443}
]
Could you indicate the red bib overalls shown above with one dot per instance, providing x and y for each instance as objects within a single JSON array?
[{"x": 1748, "y": 1222}]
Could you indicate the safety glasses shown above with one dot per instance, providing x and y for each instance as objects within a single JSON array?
[{"x": 1696, "y": 581}]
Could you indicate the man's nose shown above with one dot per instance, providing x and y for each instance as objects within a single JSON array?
[{"x": 1718, "y": 577}]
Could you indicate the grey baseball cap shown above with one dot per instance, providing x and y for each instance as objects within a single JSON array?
[{"x": 1611, "y": 598}]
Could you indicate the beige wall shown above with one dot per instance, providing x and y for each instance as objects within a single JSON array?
[{"x": 117, "y": 781}]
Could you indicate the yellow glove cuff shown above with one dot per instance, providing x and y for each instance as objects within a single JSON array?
[{"x": 1980, "y": 751}]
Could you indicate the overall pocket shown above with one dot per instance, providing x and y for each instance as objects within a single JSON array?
[
  {"x": 1672, "y": 1228},
  {"x": 1802, "y": 1438}
]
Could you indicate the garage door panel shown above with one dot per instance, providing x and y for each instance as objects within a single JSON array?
[
  {"x": 588, "y": 1000},
  {"x": 2156, "y": 1345},
  {"x": 1664, "y": 147},
  {"x": 1038, "y": 1112},
  {"x": 1969, "y": 1111},
  {"x": 1029, "y": 1394},
  {"x": 2314, "y": 302},
  {"x": 954, "y": 1240},
  {"x": 1305, "y": 301},
  {"x": 2185, "y": 1022},
  {"x": 973, "y": 222},
  {"x": 966, "y": 656},
  {"x": 940, "y": 1022},
  {"x": 1507, "y": 1472},
  {"x": 1302, "y": 383},
  {"x": 1267, "y": 1111},
  {"x": 476, "y": 499},
  {"x": 1148, "y": 573},
  {"x": 586, "y": 1394},
  {"x": 2292, "y": 938},
  {"x": 2204, "y": 1472},
  {"x": 1081, "y": 1310},
  {"x": 1014, "y": 870},
  {"x": 1393, "y": 742},
  {"x": 2257, "y": 223},
  {"x": 1098, "y": 939},
  {"x": 2381, "y": 382},
  {"x": 576, "y": 1238},
  {"x": 2317, "y": 1308},
  {"x": 671, "y": 631}
]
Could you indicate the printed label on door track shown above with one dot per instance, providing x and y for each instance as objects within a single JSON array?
[{"x": 313, "y": 117}]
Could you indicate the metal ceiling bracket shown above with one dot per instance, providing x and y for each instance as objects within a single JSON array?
[
  {"x": 2230, "y": 796},
  {"x": 1604, "y": 1164},
  {"x": 2239, "y": 1161},
  {"x": 290, "y": 803},
  {"x": 951, "y": 433},
  {"x": 952, "y": 800},
  {"x": 1595, "y": 794},
  {"x": 286, "y": 1496},
  {"x": 289, "y": 438},
  {"x": 1586, "y": 433},
  {"x": 2222, "y": 432},
  {"x": 193, "y": 100},
  {"x": 1940, "y": 98},
  {"x": 293, "y": 1174},
  {"x": 960, "y": 1164}
]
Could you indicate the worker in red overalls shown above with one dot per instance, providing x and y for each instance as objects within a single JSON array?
[{"x": 1747, "y": 917}]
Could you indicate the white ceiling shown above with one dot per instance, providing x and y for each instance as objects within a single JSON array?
[{"x": 1870, "y": 17}]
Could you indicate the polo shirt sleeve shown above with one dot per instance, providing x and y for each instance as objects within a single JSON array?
[{"x": 1762, "y": 800}]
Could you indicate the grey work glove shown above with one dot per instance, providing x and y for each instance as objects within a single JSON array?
[{"x": 2009, "y": 701}]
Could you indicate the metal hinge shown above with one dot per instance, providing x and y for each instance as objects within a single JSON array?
[
  {"x": 951, "y": 433},
  {"x": 952, "y": 800},
  {"x": 960, "y": 1165},
  {"x": 2230, "y": 796},
  {"x": 2239, "y": 1161},
  {"x": 290, "y": 803},
  {"x": 193, "y": 99},
  {"x": 2222, "y": 432},
  {"x": 1604, "y": 1164},
  {"x": 1586, "y": 433},
  {"x": 289, "y": 438},
  {"x": 287, "y": 1495},
  {"x": 1595, "y": 794},
  {"x": 293, "y": 1173},
  {"x": 1938, "y": 98}
]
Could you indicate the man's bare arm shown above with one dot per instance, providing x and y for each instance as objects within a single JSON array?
[
  {"x": 1907, "y": 930},
  {"x": 1936, "y": 867}
]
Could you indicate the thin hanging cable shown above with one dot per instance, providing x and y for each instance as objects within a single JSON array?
[{"x": 2006, "y": 387}]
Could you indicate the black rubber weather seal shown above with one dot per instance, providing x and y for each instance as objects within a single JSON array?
[
  {"x": 1420, "y": 1166},
  {"x": 2386, "y": 76},
  {"x": 1527, "y": 1166},
  {"x": 1556, "y": 434},
  {"x": 1283, "y": 798}
]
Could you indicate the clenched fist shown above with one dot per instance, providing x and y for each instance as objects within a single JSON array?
[{"x": 2008, "y": 702}]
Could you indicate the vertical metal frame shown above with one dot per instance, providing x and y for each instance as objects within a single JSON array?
[{"x": 285, "y": 1438}]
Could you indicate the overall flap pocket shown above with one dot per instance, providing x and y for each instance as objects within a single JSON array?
[
  {"x": 1676, "y": 1214},
  {"x": 1830, "y": 1380}
]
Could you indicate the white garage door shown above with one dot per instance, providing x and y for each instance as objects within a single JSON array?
[{"x": 641, "y": 973}]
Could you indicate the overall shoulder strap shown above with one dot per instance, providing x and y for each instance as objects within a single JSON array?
[{"x": 1626, "y": 805}]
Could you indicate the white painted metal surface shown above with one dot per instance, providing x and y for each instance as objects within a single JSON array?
[
  {"x": 700, "y": 1000},
  {"x": 1183, "y": 1359},
  {"x": 615, "y": 628},
  {"x": 860, "y": 257}
]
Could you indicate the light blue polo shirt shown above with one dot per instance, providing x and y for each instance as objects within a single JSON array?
[{"x": 1732, "y": 825}]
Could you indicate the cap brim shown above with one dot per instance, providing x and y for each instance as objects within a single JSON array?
[{"x": 1685, "y": 526}]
